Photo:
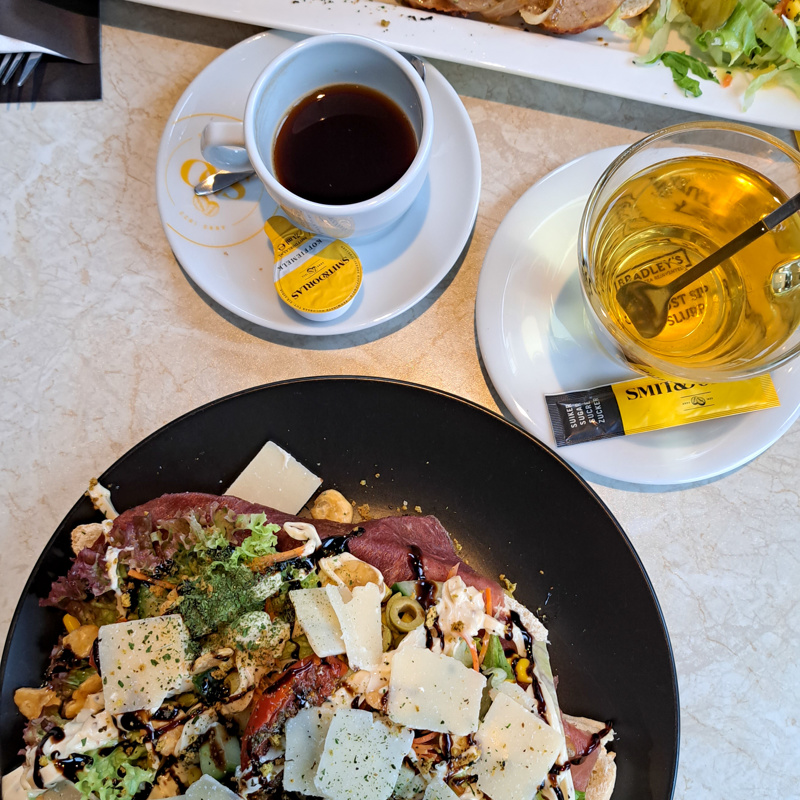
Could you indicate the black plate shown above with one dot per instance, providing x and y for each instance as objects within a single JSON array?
[{"x": 515, "y": 507}]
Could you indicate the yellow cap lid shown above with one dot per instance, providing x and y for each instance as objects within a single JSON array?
[{"x": 315, "y": 275}]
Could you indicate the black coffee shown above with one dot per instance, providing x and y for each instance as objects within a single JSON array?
[{"x": 343, "y": 144}]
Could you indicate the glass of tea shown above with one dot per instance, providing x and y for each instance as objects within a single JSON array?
[
  {"x": 339, "y": 129},
  {"x": 666, "y": 203}
]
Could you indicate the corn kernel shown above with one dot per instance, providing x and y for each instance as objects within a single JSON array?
[
  {"x": 521, "y": 669},
  {"x": 793, "y": 10},
  {"x": 71, "y": 623}
]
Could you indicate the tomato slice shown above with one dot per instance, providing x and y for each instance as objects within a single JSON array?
[{"x": 308, "y": 682}]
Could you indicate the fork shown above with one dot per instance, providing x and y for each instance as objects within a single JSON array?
[{"x": 11, "y": 61}]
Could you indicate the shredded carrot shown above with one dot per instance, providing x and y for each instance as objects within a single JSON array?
[
  {"x": 487, "y": 593},
  {"x": 484, "y": 646},
  {"x": 726, "y": 80},
  {"x": 476, "y": 664},
  {"x": 426, "y": 738},
  {"x": 453, "y": 571},
  {"x": 261, "y": 563},
  {"x": 140, "y": 576}
]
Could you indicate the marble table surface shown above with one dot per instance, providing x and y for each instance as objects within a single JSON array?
[{"x": 104, "y": 339}]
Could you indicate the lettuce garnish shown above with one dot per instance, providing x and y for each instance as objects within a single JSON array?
[
  {"x": 681, "y": 65},
  {"x": 495, "y": 658},
  {"x": 752, "y": 38},
  {"x": 260, "y": 542},
  {"x": 116, "y": 776}
]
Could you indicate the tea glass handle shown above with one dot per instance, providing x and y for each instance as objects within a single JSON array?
[{"x": 222, "y": 144}]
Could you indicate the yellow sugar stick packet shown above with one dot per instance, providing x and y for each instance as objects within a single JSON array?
[
  {"x": 647, "y": 404},
  {"x": 317, "y": 276}
]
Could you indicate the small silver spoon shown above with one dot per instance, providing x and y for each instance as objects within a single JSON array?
[
  {"x": 220, "y": 180},
  {"x": 647, "y": 305}
]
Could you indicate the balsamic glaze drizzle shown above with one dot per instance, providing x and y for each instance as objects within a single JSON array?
[
  {"x": 425, "y": 592},
  {"x": 72, "y": 765},
  {"x": 57, "y": 735},
  {"x": 541, "y": 705},
  {"x": 336, "y": 545},
  {"x": 593, "y": 744},
  {"x": 446, "y": 743}
]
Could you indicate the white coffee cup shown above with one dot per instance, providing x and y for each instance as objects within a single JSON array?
[{"x": 303, "y": 68}]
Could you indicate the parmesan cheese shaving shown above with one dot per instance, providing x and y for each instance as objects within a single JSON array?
[
  {"x": 434, "y": 692},
  {"x": 142, "y": 661},
  {"x": 359, "y": 614},
  {"x": 362, "y": 756},
  {"x": 319, "y": 622},
  {"x": 305, "y": 740},
  {"x": 517, "y": 751}
]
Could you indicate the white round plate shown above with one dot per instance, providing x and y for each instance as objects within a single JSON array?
[
  {"x": 535, "y": 339},
  {"x": 220, "y": 240}
]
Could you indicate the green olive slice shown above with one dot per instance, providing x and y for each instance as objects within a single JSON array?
[{"x": 404, "y": 613}]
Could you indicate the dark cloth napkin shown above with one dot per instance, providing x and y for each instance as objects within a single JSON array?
[{"x": 69, "y": 27}]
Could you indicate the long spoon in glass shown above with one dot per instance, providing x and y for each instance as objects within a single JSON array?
[{"x": 647, "y": 305}]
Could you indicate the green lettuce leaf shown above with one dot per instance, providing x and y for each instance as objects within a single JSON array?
[
  {"x": 787, "y": 75},
  {"x": 681, "y": 65},
  {"x": 496, "y": 659},
  {"x": 116, "y": 776},
  {"x": 616, "y": 24},
  {"x": 771, "y": 29},
  {"x": 753, "y": 39},
  {"x": 732, "y": 41},
  {"x": 213, "y": 537},
  {"x": 260, "y": 542}
]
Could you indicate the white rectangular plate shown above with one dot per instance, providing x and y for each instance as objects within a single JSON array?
[{"x": 583, "y": 61}]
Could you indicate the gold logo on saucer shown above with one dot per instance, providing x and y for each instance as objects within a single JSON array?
[{"x": 195, "y": 170}]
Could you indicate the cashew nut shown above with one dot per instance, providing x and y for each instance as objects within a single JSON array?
[
  {"x": 80, "y": 641},
  {"x": 31, "y": 702}
]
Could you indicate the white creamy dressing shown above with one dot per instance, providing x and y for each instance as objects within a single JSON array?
[
  {"x": 461, "y": 610},
  {"x": 112, "y": 564},
  {"x": 91, "y": 729},
  {"x": 13, "y": 788}
]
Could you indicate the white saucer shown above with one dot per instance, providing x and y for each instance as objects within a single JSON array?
[
  {"x": 220, "y": 241},
  {"x": 535, "y": 340}
]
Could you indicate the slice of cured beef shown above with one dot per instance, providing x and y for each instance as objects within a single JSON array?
[
  {"x": 385, "y": 543},
  {"x": 583, "y": 741}
]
